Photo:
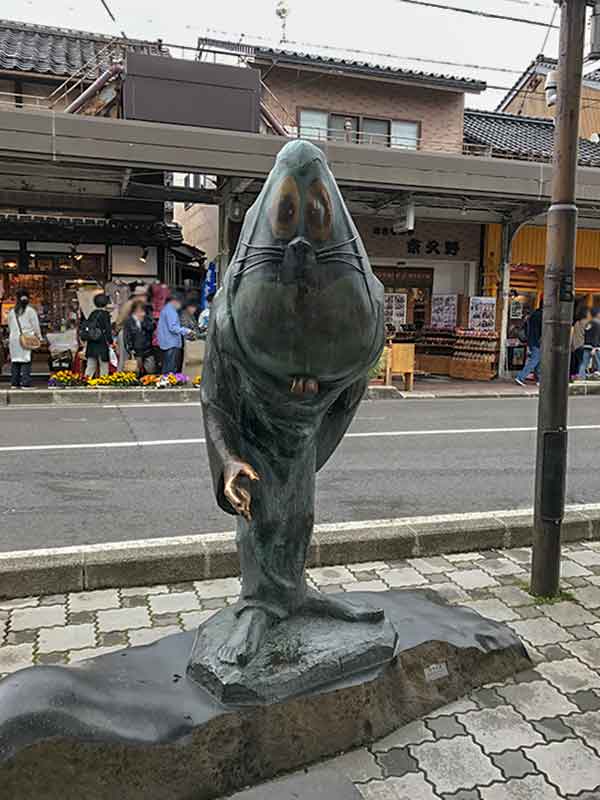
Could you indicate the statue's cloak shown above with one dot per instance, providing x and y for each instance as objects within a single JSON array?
[{"x": 280, "y": 316}]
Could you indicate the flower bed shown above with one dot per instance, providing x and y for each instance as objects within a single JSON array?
[
  {"x": 67, "y": 378},
  {"x": 120, "y": 380}
]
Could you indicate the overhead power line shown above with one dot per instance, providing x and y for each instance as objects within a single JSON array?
[
  {"x": 474, "y": 13},
  {"x": 353, "y": 51},
  {"x": 532, "y": 3},
  {"x": 108, "y": 11}
]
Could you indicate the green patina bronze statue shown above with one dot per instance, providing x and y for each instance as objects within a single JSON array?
[{"x": 294, "y": 331}]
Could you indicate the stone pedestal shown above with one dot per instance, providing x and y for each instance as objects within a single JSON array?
[
  {"x": 133, "y": 725},
  {"x": 299, "y": 655}
]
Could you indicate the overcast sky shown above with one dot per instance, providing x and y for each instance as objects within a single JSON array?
[{"x": 387, "y": 26}]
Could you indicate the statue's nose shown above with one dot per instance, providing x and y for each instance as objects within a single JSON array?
[
  {"x": 300, "y": 246},
  {"x": 298, "y": 261}
]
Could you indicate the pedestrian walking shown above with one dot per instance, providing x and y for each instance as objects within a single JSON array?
[
  {"x": 533, "y": 330},
  {"x": 170, "y": 333},
  {"x": 24, "y": 336},
  {"x": 96, "y": 332},
  {"x": 137, "y": 337}
]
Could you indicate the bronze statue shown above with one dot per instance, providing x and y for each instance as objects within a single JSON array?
[{"x": 294, "y": 330}]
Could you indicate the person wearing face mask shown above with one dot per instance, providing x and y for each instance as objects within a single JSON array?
[{"x": 23, "y": 321}]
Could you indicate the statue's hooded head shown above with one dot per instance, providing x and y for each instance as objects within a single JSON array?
[{"x": 302, "y": 296}]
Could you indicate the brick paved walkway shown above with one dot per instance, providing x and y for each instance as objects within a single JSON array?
[{"x": 535, "y": 737}]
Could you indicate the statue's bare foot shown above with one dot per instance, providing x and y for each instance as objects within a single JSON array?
[
  {"x": 326, "y": 605},
  {"x": 246, "y": 637}
]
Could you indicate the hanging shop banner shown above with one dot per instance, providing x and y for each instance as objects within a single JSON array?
[
  {"x": 444, "y": 311},
  {"x": 482, "y": 314},
  {"x": 394, "y": 312}
]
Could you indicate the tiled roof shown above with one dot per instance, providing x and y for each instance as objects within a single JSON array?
[
  {"x": 61, "y": 52},
  {"x": 365, "y": 67},
  {"x": 592, "y": 76},
  {"x": 321, "y": 58},
  {"x": 528, "y": 137}
]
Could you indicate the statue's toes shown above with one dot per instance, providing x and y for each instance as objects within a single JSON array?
[{"x": 228, "y": 655}]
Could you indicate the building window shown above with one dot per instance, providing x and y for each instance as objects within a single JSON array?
[
  {"x": 405, "y": 135},
  {"x": 375, "y": 131},
  {"x": 343, "y": 128},
  {"x": 320, "y": 125},
  {"x": 313, "y": 124}
]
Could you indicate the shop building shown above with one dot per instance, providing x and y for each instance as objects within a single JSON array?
[
  {"x": 60, "y": 229},
  {"x": 526, "y": 137}
]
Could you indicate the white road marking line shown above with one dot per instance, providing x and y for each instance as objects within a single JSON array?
[
  {"x": 362, "y": 435},
  {"x": 100, "y": 445},
  {"x": 222, "y": 536}
]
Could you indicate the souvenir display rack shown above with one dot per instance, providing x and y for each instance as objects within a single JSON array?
[
  {"x": 435, "y": 350},
  {"x": 475, "y": 355}
]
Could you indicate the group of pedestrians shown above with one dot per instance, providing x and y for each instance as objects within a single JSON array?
[
  {"x": 143, "y": 346},
  {"x": 134, "y": 342},
  {"x": 585, "y": 345}
]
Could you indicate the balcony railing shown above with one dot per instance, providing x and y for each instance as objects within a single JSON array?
[{"x": 423, "y": 144}]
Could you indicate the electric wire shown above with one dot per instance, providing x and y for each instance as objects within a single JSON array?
[
  {"x": 108, "y": 11},
  {"x": 475, "y": 13},
  {"x": 545, "y": 42}
]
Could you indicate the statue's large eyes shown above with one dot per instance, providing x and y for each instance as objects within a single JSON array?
[
  {"x": 285, "y": 210},
  {"x": 318, "y": 212}
]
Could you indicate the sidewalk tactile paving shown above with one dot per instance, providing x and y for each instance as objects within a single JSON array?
[{"x": 534, "y": 736}]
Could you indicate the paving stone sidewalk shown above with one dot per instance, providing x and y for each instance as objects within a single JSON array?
[{"x": 534, "y": 737}]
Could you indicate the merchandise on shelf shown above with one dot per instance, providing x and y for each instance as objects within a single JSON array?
[{"x": 475, "y": 355}]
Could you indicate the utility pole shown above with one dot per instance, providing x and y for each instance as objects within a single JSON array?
[{"x": 559, "y": 294}]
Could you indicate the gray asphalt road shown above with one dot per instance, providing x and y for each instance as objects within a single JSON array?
[{"x": 400, "y": 459}]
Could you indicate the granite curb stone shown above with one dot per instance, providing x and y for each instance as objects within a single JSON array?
[{"x": 214, "y": 555}]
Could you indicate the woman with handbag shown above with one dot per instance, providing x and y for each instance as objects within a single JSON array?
[
  {"x": 137, "y": 339},
  {"x": 25, "y": 336}
]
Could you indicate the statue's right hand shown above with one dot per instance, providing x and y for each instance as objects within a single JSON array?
[{"x": 238, "y": 496}]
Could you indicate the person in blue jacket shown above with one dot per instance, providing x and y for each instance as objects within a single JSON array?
[{"x": 170, "y": 333}]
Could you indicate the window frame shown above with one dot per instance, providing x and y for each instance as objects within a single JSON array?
[{"x": 361, "y": 117}]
